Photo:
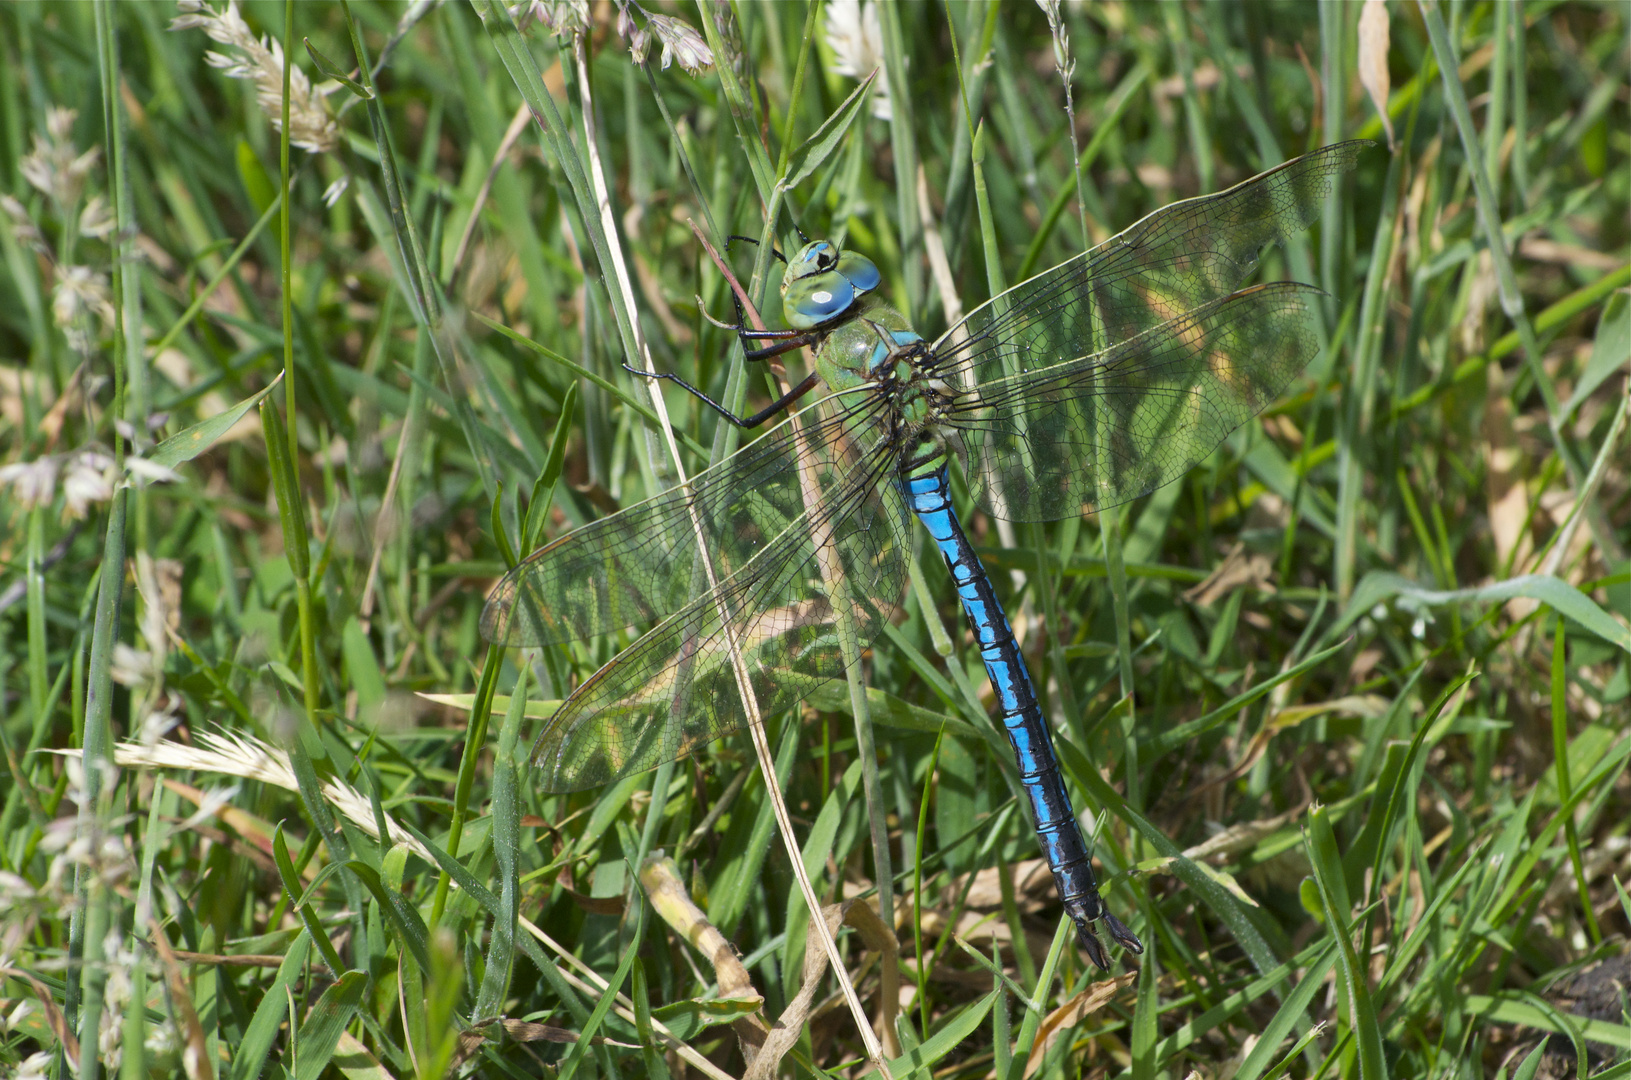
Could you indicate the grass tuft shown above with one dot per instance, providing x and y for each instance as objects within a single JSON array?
[{"x": 1349, "y": 705}]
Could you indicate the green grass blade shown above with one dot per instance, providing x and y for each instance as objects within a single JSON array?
[
  {"x": 250, "y": 1054},
  {"x": 320, "y": 1032},
  {"x": 509, "y": 764}
]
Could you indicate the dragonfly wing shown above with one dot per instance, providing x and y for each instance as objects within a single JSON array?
[
  {"x": 1176, "y": 259},
  {"x": 1106, "y": 428},
  {"x": 640, "y": 565},
  {"x": 676, "y": 688}
]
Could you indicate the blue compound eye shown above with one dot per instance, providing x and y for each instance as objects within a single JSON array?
[
  {"x": 815, "y": 298},
  {"x": 822, "y": 283},
  {"x": 859, "y": 270},
  {"x": 813, "y": 258}
]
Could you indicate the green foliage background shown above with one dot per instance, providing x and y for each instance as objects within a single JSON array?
[{"x": 1366, "y": 803}]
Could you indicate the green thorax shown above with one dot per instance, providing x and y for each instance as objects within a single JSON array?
[
  {"x": 860, "y": 347},
  {"x": 863, "y": 343}
]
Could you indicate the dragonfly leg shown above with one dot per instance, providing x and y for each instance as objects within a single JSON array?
[
  {"x": 754, "y": 240},
  {"x": 777, "y": 406},
  {"x": 785, "y": 340}
]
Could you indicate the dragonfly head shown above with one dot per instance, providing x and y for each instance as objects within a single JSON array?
[{"x": 822, "y": 283}]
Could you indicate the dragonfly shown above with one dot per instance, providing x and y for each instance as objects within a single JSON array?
[{"x": 1080, "y": 389}]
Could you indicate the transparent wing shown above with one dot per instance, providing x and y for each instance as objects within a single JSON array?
[
  {"x": 1056, "y": 335},
  {"x": 1107, "y": 428},
  {"x": 1174, "y": 260},
  {"x": 640, "y": 565},
  {"x": 676, "y": 688}
]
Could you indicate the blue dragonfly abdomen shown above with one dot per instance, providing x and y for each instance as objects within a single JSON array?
[{"x": 1021, "y": 717}]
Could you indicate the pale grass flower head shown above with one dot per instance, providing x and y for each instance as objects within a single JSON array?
[
  {"x": 25, "y": 1008},
  {"x": 561, "y": 17},
  {"x": 632, "y": 32},
  {"x": 62, "y": 831},
  {"x": 32, "y": 483},
  {"x": 195, "y": 15},
  {"x": 214, "y": 801},
  {"x": 55, "y": 165},
  {"x": 34, "y": 1067},
  {"x": 856, "y": 38},
  {"x": 101, "y": 851},
  {"x": 14, "y": 890},
  {"x": 133, "y": 666},
  {"x": 61, "y": 841},
  {"x": 336, "y": 191},
  {"x": 159, "y": 584},
  {"x": 88, "y": 480},
  {"x": 246, "y": 757},
  {"x": 59, "y": 123},
  {"x": 96, "y": 220},
  {"x": 155, "y": 726},
  {"x": 22, "y": 224},
  {"x": 1061, "y": 39},
  {"x": 113, "y": 859},
  {"x": 143, "y": 471},
  {"x": 159, "y": 1038},
  {"x": 118, "y": 961},
  {"x": 163, "y": 1042},
  {"x": 19, "y": 915},
  {"x": 80, "y": 305},
  {"x": 260, "y": 60},
  {"x": 682, "y": 43},
  {"x": 132, "y": 434},
  {"x": 679, "y": 39}
]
